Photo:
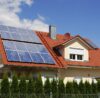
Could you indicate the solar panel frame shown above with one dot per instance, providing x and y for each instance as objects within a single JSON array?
[
  {"x": 25, "y": 55},
  {"x": 12, "y": 55},
  {"x": 20, "y": 34}
]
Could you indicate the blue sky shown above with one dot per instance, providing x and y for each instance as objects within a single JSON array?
[{"x": 75, "y": 16}]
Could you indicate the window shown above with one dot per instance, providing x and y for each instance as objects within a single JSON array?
[
  {"x": 76, "y": 57},
  {"x": 79, "y": 57},
  {"x": 76, "y": 54},
  {"x": 72, "y": 56}
]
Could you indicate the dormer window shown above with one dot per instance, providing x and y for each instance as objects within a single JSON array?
[
  {"x": 76, "y": 57},
  {"x": 79, "y": 57},
  {"x": 72, "y": 56},
  {"x": 76, "y": 54}
]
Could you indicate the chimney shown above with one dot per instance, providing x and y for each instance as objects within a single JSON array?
[
  {"x": 67, "y": 35},
  {"x": 52, "y": 32}
]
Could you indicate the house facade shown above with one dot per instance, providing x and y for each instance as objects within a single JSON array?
[{"x": 53, "y": 55}]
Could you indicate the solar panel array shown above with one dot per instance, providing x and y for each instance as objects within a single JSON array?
[
  {"x": 23, "y": 45},
  {"x": 27, "y": 52},
  {"x": 19, "y": 34}
]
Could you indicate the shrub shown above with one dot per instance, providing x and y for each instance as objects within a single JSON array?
[
  {"x": 47, "y": 87},
  {"x": 22, "y": 86},
  {"x": 30, "y": 86},
  {"x": 39, "y": 85},
  {"x": 54, "y": 88},
  {"x": 14, "y": 86},
  {"x": 61, "y": 88},
  {"x": 81, "y": 87},
  {"x": 88, "y": 88},
  {"x": 75, "y": 88},
  {"x": 69, "y": 88},
  {"x": 5, "y": 87}
]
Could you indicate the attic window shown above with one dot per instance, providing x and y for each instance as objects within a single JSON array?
[
  {"x": 76, "y": 57},
  {"x": 76, "y": 54},
  {"x": 72, "y": 56},
  {"x": 79, "y": 57}
]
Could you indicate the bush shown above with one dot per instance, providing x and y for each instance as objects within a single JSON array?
[
  {"x": 88, "y": 88},
  {"x": 94, "y": 88},
  {"x": 61, "y": 88},
  {"x": 81, "y": 87},
  {"x": 75, "y": 88},
  {"x": 69, "y": 88},
  {"x": 22, "y": 86},
  {"x": 98, "y": 86},
  {"x": 14, "y": 87},
  {"x": 5, "y": 87},
  {"x": 30, "y": 86},
  {"x": 39, "y": 85},
  {"x": 47, "y": 87},
  {"x": 54, "y": 88}
]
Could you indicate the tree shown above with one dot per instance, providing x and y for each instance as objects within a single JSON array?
[
  {"x": 22, "y": 86},
  {"x": 54, "y": 88},
  {"x": 69, "y": 88},
  {"x": 30, "y": 87},
  {"x": 81, "y": 87},
  {"x": 98, "y": 86},
  {"x": 47, "y": 87},
  {"x": 88, "y": 88},
  {"x": 39, "y": 85},
  {"x": 14, "y": 86},
  {"x": 61, "y": 88},
  {"x": 75, "y": 87},
  {"x": 5, "y": 86},
  {"x": 94, "y": 87}
]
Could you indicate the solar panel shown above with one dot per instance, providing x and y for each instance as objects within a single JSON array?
[
  {"x": 19, "y": 34},
  {"x": 27, "y": 52}
]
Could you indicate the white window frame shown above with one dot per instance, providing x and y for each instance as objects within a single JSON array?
[{"x": 76, "y": 52}]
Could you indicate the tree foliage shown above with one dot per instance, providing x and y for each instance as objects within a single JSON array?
[
  {"x": 5, "y": 86},
  {"x": 14, "y": 85},
  {"x": 39, "y": 85},
  {"x": 30, "y": 86},
  {"x": 47, "y": 87}
]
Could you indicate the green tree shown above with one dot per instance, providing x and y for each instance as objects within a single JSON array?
[
  {"x": 98, "y": 86},
  {"x": 5, "y": 87},
  {"x": 39, "y": 85},
  {"x": 69, "y": 88},
  {"x": 22, "y": 86},
  {"x": 61, "y": 88},
  {"x": 47, "y": 87},
  {"x": 14, "y": 86},
  {"x": 30, "y": 87},
  {"x": 81, "y": 87},
  {"x": 94, "y": 87},
  {"x": 88, "y": 88},
  {"x": 75, "y": 87},
  {"x": 54, "y": 88}
]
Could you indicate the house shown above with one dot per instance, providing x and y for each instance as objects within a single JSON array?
[{"x": 53, "y": 55}]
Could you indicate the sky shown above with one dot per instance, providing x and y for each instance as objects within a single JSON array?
[{"x": 75, "y": 16}]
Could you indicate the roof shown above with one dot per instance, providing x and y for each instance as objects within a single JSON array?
[
  {"x": 50, "y": 44},
  {"x": 94, "y": 53}
]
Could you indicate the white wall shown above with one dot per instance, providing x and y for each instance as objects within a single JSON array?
[{"x": 76, "y": 44}]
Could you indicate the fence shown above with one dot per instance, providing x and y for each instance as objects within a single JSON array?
[{"x": 50, "y": 96}]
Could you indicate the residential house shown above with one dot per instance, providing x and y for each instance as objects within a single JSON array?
[{"x": 53, "y": 55}]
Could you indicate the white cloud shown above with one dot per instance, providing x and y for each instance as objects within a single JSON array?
[{"x": 9, "y": 10}]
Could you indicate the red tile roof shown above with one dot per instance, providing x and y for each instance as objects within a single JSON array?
[{"x": 94, "y": 54}]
